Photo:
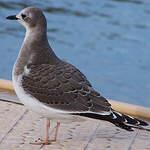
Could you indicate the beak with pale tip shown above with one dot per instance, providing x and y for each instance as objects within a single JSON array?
[{"x": 12, "y": 17}]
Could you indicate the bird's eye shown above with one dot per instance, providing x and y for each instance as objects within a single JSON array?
[{"x": 23, "y": 16}]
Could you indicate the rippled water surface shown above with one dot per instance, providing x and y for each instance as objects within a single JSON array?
[{"x": 108, "y": 40}]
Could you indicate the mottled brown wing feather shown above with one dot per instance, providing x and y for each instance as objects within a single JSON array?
[{"x": 63, "y": 87}]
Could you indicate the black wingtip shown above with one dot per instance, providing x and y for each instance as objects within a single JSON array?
[
  {"x": 119, "y": 120},
  {"x": 142, "y": 123}
]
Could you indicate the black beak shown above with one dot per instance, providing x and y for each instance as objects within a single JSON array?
[{"x": 12, "y": 17}]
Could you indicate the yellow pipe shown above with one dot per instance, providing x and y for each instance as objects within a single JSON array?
[
  {"x": 6, "y": 85},
  {"x": 130, "y": 109}
]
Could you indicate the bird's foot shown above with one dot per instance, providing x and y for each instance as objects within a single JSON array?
[{"x": 43, "y": 142}]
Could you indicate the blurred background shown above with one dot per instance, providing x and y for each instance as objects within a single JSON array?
[{"x": 108, "y": 40}]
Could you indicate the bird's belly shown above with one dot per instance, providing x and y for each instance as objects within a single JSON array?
[{"x": 35, "y": 105}]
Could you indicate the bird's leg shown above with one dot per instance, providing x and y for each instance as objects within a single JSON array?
[
  {"x": 47, "y": 141},
  {"x": 47, "y": 132},
  {"x": 56, "y": 132}
]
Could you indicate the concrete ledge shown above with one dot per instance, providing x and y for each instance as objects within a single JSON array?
[{"x": 18, "y": 127}]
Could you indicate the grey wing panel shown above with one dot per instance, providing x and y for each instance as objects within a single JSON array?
[{"x": 63, "y": 88}]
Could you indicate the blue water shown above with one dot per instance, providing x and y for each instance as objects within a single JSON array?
[{"x": 108, "y": 40}]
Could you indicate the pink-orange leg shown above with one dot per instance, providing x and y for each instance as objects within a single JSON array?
[
  {"x": 56, "y": 132},
  {"x": 47, "y": 141}
]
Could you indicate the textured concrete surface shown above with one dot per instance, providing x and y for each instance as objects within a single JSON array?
[{"x": 18, "y": 127}]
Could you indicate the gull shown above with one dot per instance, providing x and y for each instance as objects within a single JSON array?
[{"x": 54, "y": 88}]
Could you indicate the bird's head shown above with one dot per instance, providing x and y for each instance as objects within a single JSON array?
[{"x": 30, "y": 17}]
